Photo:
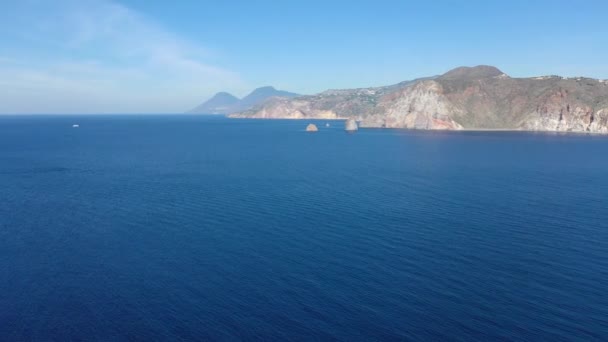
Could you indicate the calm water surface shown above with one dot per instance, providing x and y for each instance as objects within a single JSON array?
[{"x": 182, "y": 227}]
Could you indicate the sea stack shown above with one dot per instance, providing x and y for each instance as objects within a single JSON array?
[
  {"x": 350, "y": 125},
  {"x": 311, "y": 128}
]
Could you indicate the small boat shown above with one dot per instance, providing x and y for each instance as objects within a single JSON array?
[
  {"x": 327, "y": 124},
  {"x": 75, "y": 126}
]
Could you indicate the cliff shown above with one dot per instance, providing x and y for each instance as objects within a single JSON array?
[{"x": 480, "y": 97}]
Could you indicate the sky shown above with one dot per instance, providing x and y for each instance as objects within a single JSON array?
[{"x": 146, "y": 56}]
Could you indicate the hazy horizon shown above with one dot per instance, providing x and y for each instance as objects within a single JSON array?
[{"x": 134, "y": 56}]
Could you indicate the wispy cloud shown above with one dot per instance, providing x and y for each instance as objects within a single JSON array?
[{"x": 100, "y": 56}]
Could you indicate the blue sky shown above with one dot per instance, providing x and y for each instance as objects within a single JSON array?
[{"x": 143, "y": 56}]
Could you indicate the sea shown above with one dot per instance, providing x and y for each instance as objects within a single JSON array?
[{"x": 203, "y": 228}]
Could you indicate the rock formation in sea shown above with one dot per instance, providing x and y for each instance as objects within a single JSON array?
[
  {"x": 311, "y": 128},
  {"x": 481, "y": 97},
  {"x": 350, "y": 125}
]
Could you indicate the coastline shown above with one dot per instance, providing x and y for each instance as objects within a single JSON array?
[{"x": 498, "y": 130}]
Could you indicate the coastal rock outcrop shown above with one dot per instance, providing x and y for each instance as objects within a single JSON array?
[
  {"x": 311, "y": 128},
  {"x": 350, "y": 125},
  {"x": 481, "y": 97}
]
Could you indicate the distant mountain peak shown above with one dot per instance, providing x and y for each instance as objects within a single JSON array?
[
  {"x": 225, "y": 94},
  {"x": 264, "y": 88},
  {"x": 217, "y": 104},
  {"x": 476, "y": 72},
  {"x": 226, "y": 103}
]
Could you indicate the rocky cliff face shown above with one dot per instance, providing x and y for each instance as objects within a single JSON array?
[
  {"x": 421, "y": 106},
  {"x": 465, "y": 98}
]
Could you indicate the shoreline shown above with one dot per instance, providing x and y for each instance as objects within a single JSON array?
[{"x": 505, "y": 130}]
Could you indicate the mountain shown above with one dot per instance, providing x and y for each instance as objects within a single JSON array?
[
  {"x": 481, "y": 97},
  {"x": 262, "y": 94},
  {"x": 330, "y": 104},
  {"x": 225, "y": 103},
  {"x": 220, "y": 103}
]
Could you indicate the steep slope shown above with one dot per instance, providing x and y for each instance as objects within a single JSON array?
[
  {"x": 480, "y": 97},
  {"x": 543, "y": 103},
  {"x": 225, "y": 103}
]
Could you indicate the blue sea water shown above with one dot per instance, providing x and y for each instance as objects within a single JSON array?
[{"x": 172, "y": 228}]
